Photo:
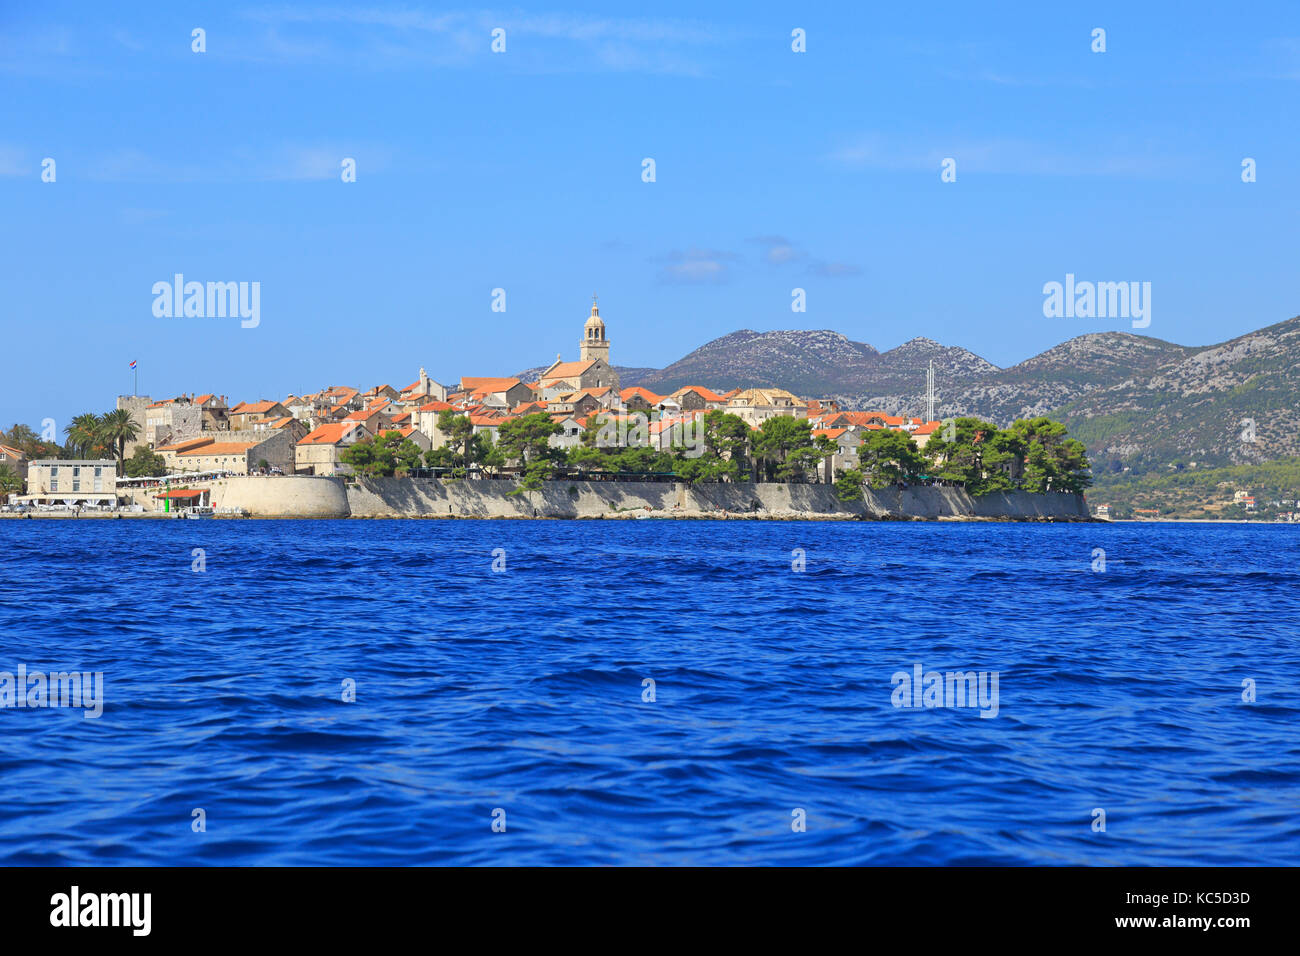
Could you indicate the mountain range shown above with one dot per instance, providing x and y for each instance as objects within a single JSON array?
[{"x": 1139, "y": 403}]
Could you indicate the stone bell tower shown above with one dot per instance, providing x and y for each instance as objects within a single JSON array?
[{"x": 594, "y": 344}]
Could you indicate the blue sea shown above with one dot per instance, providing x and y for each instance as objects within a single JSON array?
[{"x": 506, "y": 717}]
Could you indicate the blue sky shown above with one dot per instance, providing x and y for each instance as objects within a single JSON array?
[{"x": 522, "y": 171}]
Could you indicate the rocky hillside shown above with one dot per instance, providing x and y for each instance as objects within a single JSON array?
[
  {"x": 797, "y": 360},
  {"x": 1062, "y": 375},
  {"x": 1138, "y": 403},
  {"x": 1196, "y": 406},
  {"x": 817, "y": 363}
]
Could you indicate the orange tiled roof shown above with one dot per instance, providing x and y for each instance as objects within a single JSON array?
[
  {"x": 187, "y": 445},
  {"x": 704, "y": 393},
  {"x": 364, "y": 414},
  {"x": 482, "y": 384},
  {"x": 645, "y": 393},
  {"x": 339, "y": 394},
  {"x": 568, "y": 369},
  {"x": 220, "y": 448},
  {"x": 864, "y": 418},
  {"x": 253, "y": 408},
  {"x": 329, "y": 434}
]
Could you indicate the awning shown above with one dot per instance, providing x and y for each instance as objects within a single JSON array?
[{"x": 174, "y": 495}]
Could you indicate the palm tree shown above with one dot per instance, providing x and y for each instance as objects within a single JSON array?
[
  {"x": 83, "y": 434},
  {"x": 116, "y": 428}
]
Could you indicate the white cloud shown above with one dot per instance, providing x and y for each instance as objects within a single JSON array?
[
  {"x": 696, "y": 266},
  {"x": 1015, "y": 156},
  {"x": 284, "y": 163},
  {"x": 834, "y": 270},
  {"x": 386, "y": 37},
  {"x": 778, "y": 250}
]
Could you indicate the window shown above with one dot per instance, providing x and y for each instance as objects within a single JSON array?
[{"x": 54, "y": 484}]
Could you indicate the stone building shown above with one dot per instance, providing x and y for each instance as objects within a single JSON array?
[
  {"x": 592, "y": 370},
  {"x": 238, "y": 453},
  {"x": 502, "y": 393},
  {"x": 245, "y": 414},
  {"x": 757, "y": 405},
  {"x": 425, "y": 388},
  {"x": 318, "y": 452},
  {"x": 170, "y": 421},
  {"x": 137, "y": 406},
  {"x": 696, "y": 398}
]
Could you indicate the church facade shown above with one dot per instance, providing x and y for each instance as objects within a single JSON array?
[{"x": 592, "y": 370}]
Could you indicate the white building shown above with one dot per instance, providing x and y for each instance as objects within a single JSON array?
[{"x": 72, "y": 483}]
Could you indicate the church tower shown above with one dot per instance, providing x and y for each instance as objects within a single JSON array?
[{"x": 594, "y": 344}]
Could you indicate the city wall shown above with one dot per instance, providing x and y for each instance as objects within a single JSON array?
[
  {"x": 300, "y": 496},
  {"x": 393, "y": 497}
]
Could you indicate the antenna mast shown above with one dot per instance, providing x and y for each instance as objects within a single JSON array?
[{"x": 929, "y": 393}]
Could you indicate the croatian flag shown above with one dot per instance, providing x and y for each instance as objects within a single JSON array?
[{"x": 133, "y": 365}]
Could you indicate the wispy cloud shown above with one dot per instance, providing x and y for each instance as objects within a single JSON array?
[
  {"x": 283, "y": 163},
  {"x": 777, "y": 250},
  {"x": 696, "y": 266},
  {"x": 392, "y": 37},
  {"x": 1015, "y": 156},
  {"x": 833, "y": 270},
  {"x": 129, "y": 41},
  {"x": 41, "y": 52}
]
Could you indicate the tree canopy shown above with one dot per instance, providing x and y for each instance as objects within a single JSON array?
[
  {"x": 1032, "y": 454},
  {"x": 382, "y": 457}
]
